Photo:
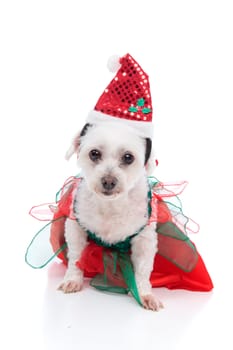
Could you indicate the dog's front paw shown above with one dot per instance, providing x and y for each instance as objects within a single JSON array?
[
  {"x": 70, "y": 286},
  {"x": 150, "y": 302},
  {"x": 72, "y": 283}
]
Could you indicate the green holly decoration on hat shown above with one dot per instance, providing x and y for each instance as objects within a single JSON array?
[{"x": 140, "y": 104}]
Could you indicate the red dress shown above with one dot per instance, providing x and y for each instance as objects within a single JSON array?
[{"x": 177, "y": 264}]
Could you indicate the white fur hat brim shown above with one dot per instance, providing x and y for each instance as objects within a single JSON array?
[{"x": 144, "y": 129}]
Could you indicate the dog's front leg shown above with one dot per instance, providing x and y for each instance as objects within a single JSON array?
[
  {"x": 76, "y": 240},
  {"x": 144, "y": 248}
]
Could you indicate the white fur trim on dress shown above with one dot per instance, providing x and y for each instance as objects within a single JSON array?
[{"x": 144, "y": 129}]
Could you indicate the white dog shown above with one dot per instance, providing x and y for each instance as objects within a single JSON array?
[{"x": 112, "y": 202}]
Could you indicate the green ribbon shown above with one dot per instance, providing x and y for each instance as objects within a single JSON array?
[
  {"x": 117, "y": 263},
  {"x": 118, "y": 276}
]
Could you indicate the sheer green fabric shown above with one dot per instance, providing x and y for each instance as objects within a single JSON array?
[
  {"x": 118, "y": 275},
  {"x": 176, "y": 247},
  {"x": 40, "y": 252}
]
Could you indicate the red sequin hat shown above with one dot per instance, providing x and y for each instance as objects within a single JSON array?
[{"x": 127, "y": 98}]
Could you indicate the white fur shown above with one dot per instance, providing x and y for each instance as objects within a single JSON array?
[
  {"x": 113, "y": 63},
  {"x": 118, "y": 215}
]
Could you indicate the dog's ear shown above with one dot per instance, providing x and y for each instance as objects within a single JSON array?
[
  {"x": 84, "y": 129},
  {"x": 148, "y": 149},
  {"x": 149, "y": 157},
  {"x": 73, "y": 147},
  {"x": 76, "y": 142}
]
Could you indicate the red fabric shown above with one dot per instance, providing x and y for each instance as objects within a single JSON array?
[
  {"x": 91, "y": 261},
  {"x": 163, "y": 213},
  {"x": 164, "y": 274},
  {"x": 65, "y": 209},
  {"x": 130, "y": 85}
]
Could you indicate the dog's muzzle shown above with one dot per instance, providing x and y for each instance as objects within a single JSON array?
[{"x": 109, "y": 183}]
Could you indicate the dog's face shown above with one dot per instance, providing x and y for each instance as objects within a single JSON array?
[{"x": 112, "y": 159}]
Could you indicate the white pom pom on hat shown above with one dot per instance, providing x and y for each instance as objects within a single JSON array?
[{"x": 113, "y": 63}]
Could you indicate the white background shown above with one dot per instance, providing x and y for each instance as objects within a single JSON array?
[{"x": 52, "y": 71}]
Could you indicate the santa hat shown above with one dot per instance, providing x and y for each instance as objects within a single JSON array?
[{"x": 127, "y": 99}]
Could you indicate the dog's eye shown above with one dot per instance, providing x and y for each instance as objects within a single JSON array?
[
  {"x": 95, "y": 155},
  {"x": 127, "y": 158}
]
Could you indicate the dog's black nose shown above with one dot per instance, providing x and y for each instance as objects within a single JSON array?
[{"x": 108, "y": 182}]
